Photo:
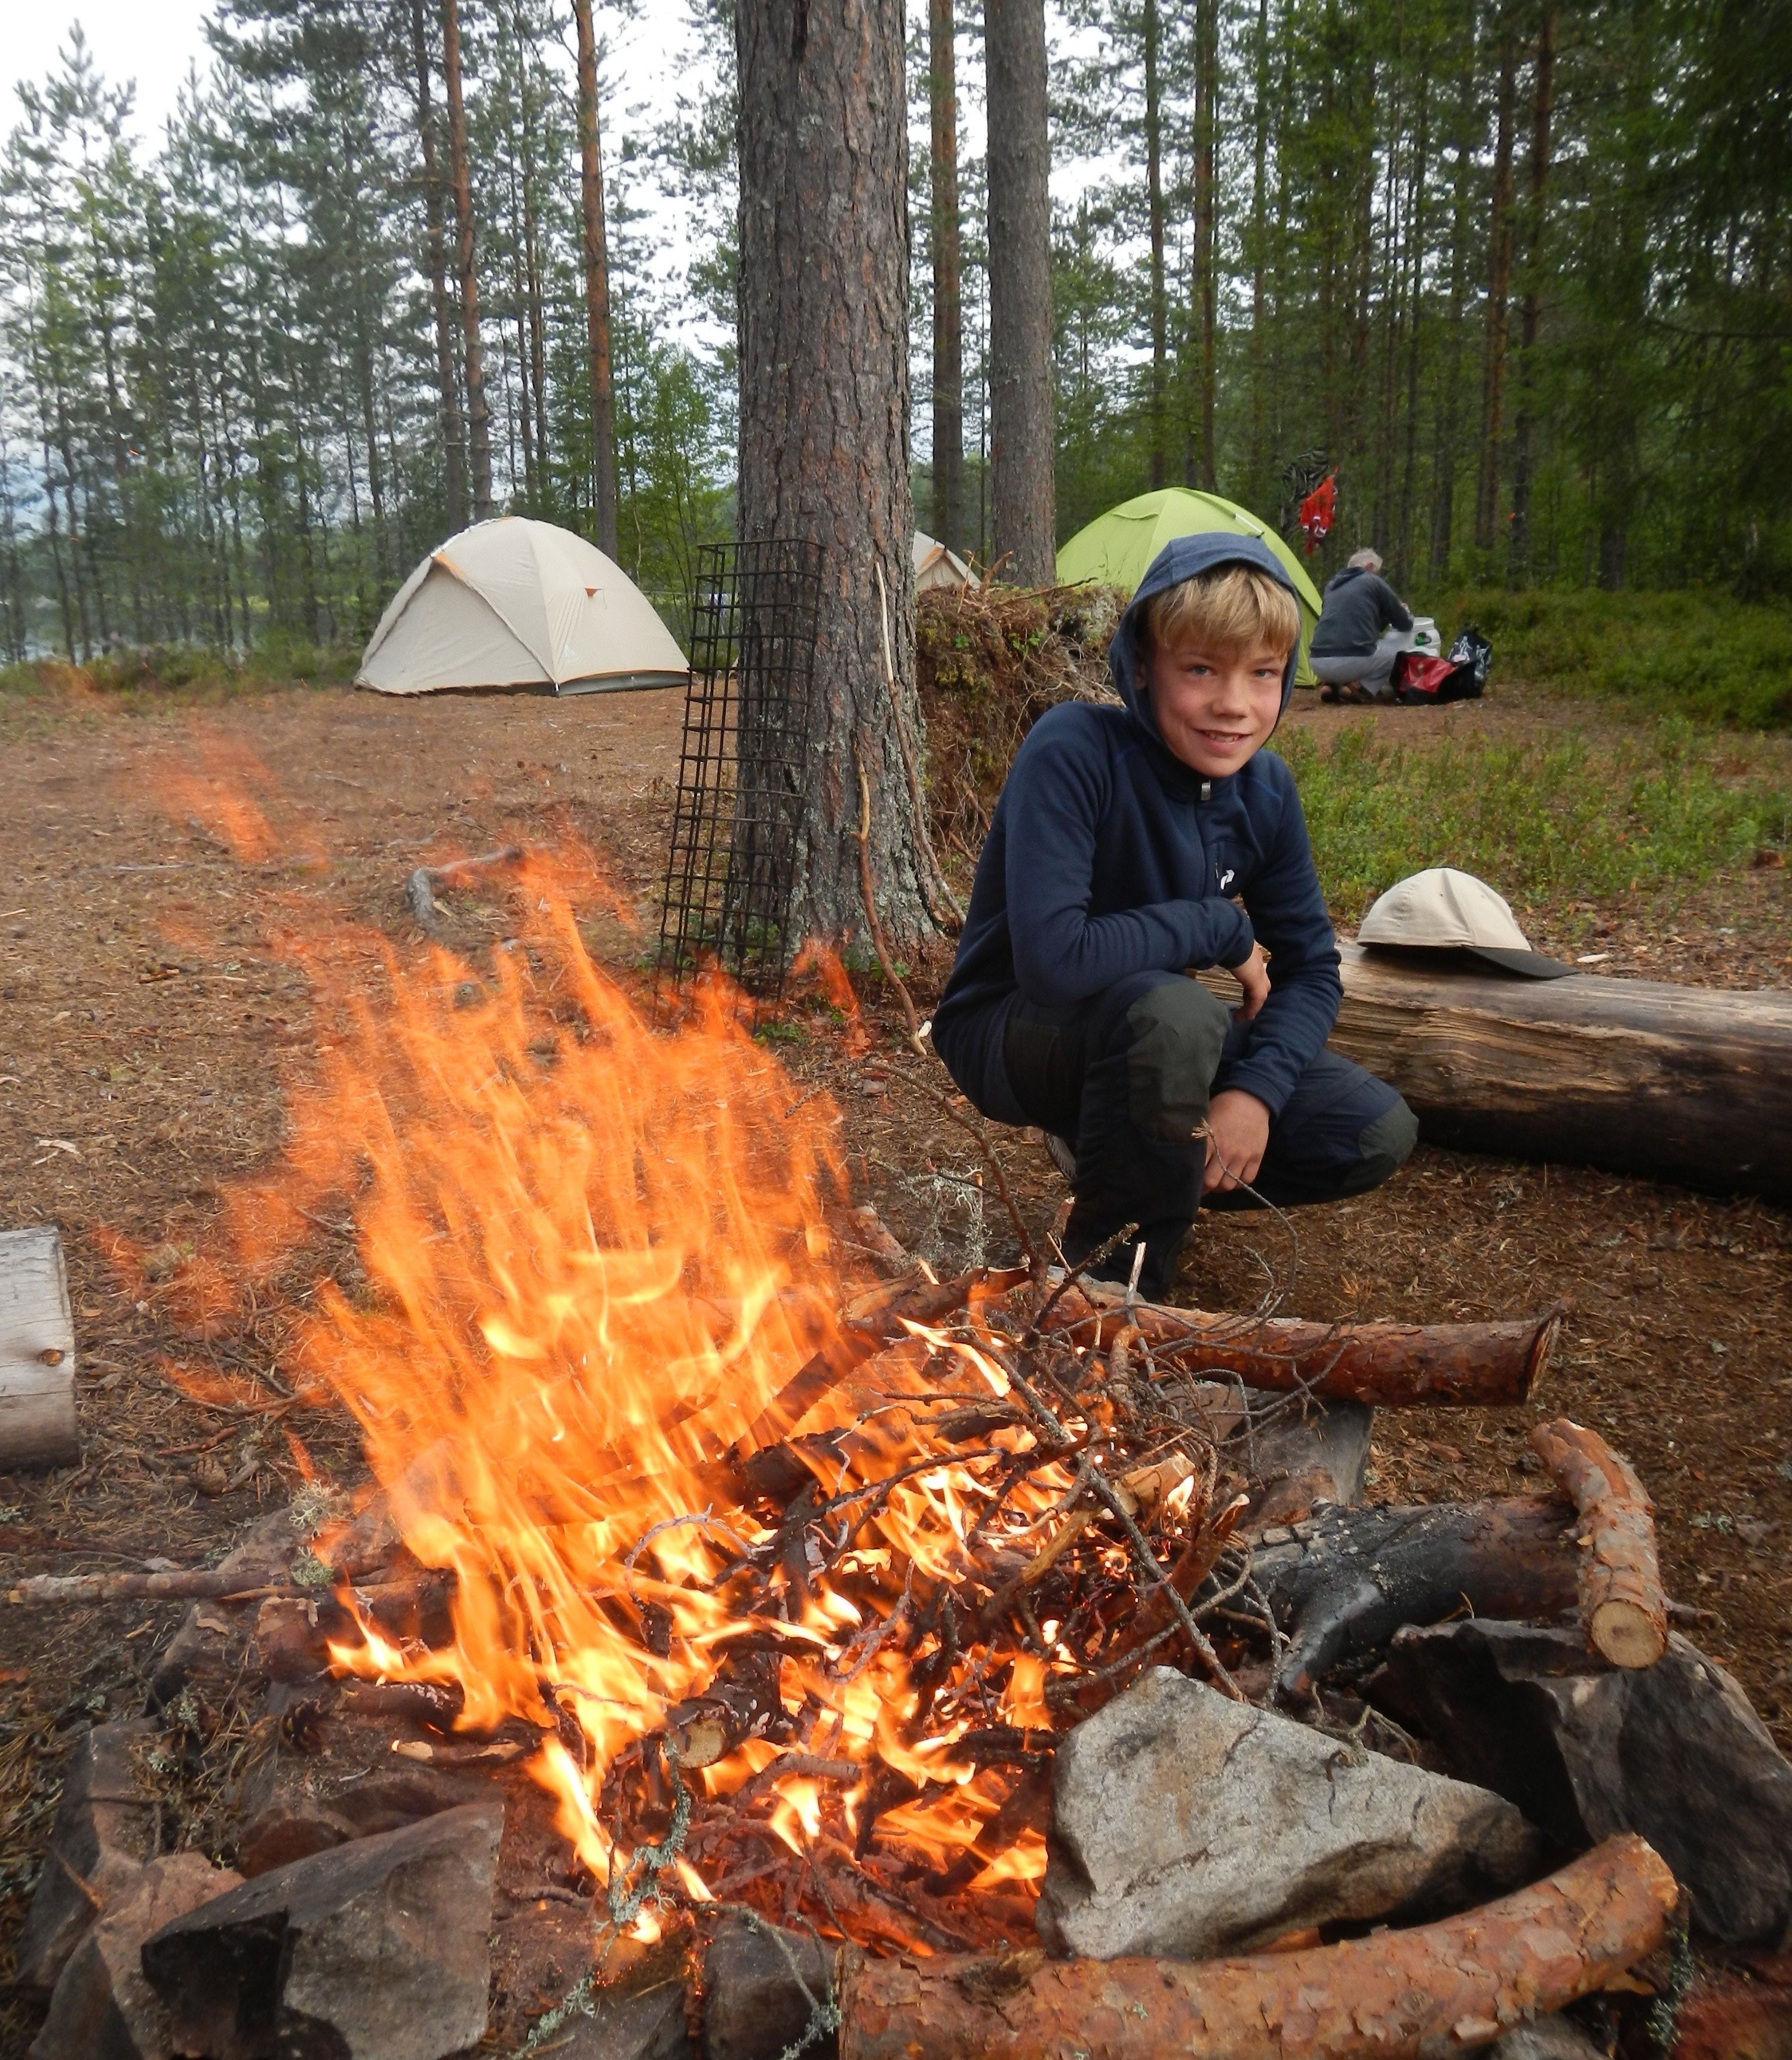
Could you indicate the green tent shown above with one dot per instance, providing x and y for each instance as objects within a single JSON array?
[{"x": 1116, "y": 547}]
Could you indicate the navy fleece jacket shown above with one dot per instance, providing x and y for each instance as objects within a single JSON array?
[{"x": 1107, "y": 856}]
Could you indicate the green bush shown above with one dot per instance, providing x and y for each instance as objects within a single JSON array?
[
  {"x": 1693, "y": 653},
  {"x": 1539, "y": 820}
]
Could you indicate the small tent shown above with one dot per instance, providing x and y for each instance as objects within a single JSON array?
[
  {"x": 935, "y": 565},
  {"x": 1117, "y": 547},
  {"x": 516, "y": 603}
]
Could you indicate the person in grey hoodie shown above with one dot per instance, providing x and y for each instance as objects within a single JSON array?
[{"x": 1362, "y": 629}]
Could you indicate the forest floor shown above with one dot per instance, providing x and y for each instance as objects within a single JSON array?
[{"x": 149, "y": 1024}]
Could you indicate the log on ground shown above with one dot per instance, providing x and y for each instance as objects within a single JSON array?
[
  {"x": 37, "y": 1352},
  {"x": 1451, "y": 1986},
  {"x": 1622, "y": 1602},
  {"x": 1391, "y": 1365},
  {"x": 1682, "y": 1084}
]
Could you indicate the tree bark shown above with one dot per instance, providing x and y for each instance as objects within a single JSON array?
[
  {"x": 1683, "y": 1084},
  {"x": 1518, "y": 561},
  {"x": 1396, "y": 1365},
  {"x": 1622, "y": 1601},
  {"x": 1022, "y": 445},
  {"x": 596, "y": 250},
  {"x": 1153, "y": 203},
  {"x": 478, "y": 414},
  {"x": 1396, "y": 1995},
  {"x": 824, "y": 357},
  {"x": 1499, "y": 278},
  {"x": 946, "y": 239}
]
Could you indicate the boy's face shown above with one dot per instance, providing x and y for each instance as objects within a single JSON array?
[{"x": 1213, "y": 711}]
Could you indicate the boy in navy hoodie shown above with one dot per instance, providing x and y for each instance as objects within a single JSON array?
[{"x": 1123, "y": 842}]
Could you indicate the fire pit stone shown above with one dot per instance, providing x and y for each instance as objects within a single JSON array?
[
  {"x": 101, "y": 1839},
  {"x": 1184, "y": 1826},
  {"x": 381, "y": 1945},
  {"x": 103, "y": 2008},
  {"x": 1674, "y": 1752}
]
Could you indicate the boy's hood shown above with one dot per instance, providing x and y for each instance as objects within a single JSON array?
[{"x": 1182, "y": 558}]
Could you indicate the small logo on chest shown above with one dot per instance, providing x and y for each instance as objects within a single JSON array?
[{"x": 1226, "y": 878}]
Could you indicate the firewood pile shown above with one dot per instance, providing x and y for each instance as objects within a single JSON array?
[{"x": 1066, "y": 1697}]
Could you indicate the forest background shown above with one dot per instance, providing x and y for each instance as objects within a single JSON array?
[{"x": 1519, "y": 272}]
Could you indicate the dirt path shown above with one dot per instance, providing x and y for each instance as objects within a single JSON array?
[{"x": 148, "y": 1018}]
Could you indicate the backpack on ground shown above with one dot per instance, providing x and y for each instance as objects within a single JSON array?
[{"x": 1420, "y": 681}]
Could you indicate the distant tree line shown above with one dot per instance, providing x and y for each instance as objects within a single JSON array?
[
  {"x": 1518, "y": 273},
  {"x": 377, "y": 282}
]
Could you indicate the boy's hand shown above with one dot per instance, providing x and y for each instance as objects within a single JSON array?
[
  {"x": 1253, "y": 976},
  {"x": 1238, "y": 1132}
]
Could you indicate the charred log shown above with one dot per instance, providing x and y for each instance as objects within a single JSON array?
[{"x": 1344, "y": 1582}]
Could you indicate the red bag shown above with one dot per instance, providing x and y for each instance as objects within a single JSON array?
[{"x": 1420, "y": 681}]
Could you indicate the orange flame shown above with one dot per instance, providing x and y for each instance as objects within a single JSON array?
[{"x": 594, "y": 1256}]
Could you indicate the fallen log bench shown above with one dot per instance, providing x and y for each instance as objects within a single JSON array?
[{"x": 1684, "y": 1083}]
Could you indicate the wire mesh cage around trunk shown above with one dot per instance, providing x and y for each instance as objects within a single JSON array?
[{"x": 731, "y": 871}]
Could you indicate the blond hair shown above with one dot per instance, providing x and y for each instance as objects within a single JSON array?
[{"x": 1231, "y": 611}]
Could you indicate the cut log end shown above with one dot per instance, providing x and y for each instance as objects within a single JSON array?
[{"x": 1626, "y": 1634}]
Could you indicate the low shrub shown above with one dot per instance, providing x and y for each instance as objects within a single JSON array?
[{"x": 1694, "y": 653}]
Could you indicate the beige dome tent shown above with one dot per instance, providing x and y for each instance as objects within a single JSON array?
[
  {"x": 515, "y": 603},
  {"x": 935, "y": 565}
]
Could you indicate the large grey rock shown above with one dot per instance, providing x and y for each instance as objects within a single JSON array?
[
  {"x": 103, "y": 1833},
  {"x": 377, "y": 1950},
  {"x": 1185, "y": 1824},
  {"x": 754, "y": 2007},
  {"x": 103, "y": 2008},
  {"x": 1673, "y": 1751}
]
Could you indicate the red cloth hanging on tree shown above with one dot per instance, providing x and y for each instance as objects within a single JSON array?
[{"x": 1317, "y": 512}]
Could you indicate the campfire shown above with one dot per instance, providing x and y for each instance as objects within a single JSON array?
[{"x": 816, "y": 1594}]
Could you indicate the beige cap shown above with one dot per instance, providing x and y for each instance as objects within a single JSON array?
[{"x": 1442, "y": 909}]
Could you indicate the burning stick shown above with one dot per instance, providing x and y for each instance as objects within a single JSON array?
[
  {"x": 1620, "y": 1599},
  {"x": 1398, "y": 1995}
]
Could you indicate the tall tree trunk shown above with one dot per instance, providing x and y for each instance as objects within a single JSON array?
[
  {"x": 453, "y": 432},
  {"x": 945, "y": 241},
  {"x": 479, "y": 416},
  {"x": 1154, "y": 185},
  {"x": 1205, "y": 309},
  {"x": 823, "y": 286},
  {"x": 1518, "y": 563},
  {"x": 1499, "y": 280},
  {"x": 1022, "y": 443},
  {"x": 1415, "y": 302},
  {"x": 1260, "y": 231},
  {"x": 596, "y": 288},
  {"x": 1444, "y": 450},
  {"x": 537, "y": 354}
]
